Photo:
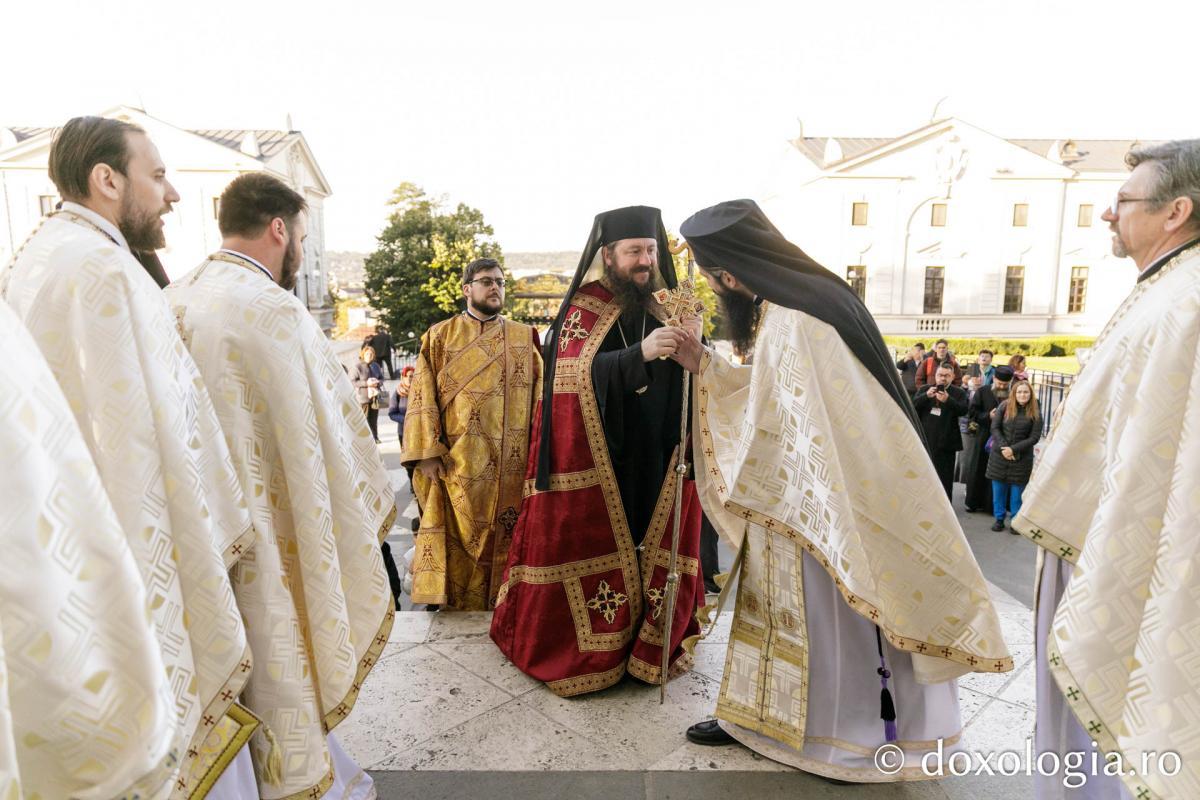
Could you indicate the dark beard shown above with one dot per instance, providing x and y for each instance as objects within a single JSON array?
[
  {"x": 739, "y": 321},
  {"x": 1001, "y": 394},
  {"x": 140, "y": 229},
  {"x": 291, "y": 266},
  {"x": 627, "y": 294}
]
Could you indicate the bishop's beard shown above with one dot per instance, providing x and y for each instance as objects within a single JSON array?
[
  {"x": 630, "y": 296},
  {"x": 739, "y": 319}
]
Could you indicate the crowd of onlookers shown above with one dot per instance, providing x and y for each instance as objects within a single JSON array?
[{"x": 981, "y": 424}]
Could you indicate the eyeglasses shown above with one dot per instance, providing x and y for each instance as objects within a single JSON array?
[
  {"x": 1115, "y": 208},
  {"x": 488, "y": 283}
]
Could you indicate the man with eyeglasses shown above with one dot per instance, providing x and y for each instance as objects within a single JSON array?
[
  {"x": 466, "y": 431},
  {"x": 1115, "y": 504}
]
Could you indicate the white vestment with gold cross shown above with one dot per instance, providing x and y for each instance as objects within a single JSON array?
[
  {"x": 109, "y": 338},
  {"x": 85, "y": 707},
  {"x": 805, "y": 457},
  {"x": 1116, "y": 494},
  {"x": 312, "y": 589}
]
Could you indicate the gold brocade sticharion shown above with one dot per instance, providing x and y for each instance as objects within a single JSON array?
[{"x": 470, "y": 405}]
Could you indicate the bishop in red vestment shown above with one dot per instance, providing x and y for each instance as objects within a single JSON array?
[{"x": 583, "y": 596}]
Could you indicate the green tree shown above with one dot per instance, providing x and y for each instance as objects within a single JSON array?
[{"x": 414, "y": 277}]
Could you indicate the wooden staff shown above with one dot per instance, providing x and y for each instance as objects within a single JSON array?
[{"x": 681, "y": 469}]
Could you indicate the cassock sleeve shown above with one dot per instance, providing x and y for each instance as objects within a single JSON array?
[
  {"x": 423, "y": 420},
  {"x": 618, "y": 373}
]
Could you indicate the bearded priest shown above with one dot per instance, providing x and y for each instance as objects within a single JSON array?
[
  {"x": 853, "y": 574},
  {"x": 583, "y": 596},
  {"x": 1114, "y": 506},
  {"x": 312, "y": 589},
  {"x": 466, "y": 431},
  {"x": 110, "y": 340}
]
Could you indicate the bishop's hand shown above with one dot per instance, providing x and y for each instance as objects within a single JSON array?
[{"x": 662, "y": 342}]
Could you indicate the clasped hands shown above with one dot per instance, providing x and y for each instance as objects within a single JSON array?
[{"x": 681, "y": 344}]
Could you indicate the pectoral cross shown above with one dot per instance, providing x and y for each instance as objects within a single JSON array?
[{"x": 679, "y": 302}]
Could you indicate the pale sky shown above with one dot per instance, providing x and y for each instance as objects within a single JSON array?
[{"x": 542, "y": 114}]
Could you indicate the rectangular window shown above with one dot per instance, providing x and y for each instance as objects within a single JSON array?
[
  {"x": 858, "y": 214},
  {"x": 216, "y": 208},
  {"x": 856, "y": 276},
  {"x": 1014, "y": 289},
  {"x": 1085, "y": 215},
  {"x": 937, "y": 218},
  {"x": 935, "y": 280},
  {"x": 1077, "y": 299},
  {"x": 1020, "y": 215},
  {"x": 46, "y": 204}
]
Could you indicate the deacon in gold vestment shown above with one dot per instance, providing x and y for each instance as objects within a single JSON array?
[
  {"x": 312, "y": 589},
  {"x": 1114, "y": 505},
  {"x": 85, "y": 707},
  {"x": 854, "y": 571},
  {"x": 467, "y": 432},
  {"x": 110, "y": 340}
]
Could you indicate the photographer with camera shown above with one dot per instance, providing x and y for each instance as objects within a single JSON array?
[{"x": 939, "y": 406}]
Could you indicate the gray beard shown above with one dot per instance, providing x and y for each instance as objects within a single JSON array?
[{"x": 1001, "y": 394}]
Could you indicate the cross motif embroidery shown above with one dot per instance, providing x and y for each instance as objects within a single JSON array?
[
  {"x": 1073, "y": 694},
  {"x": 227, "y": 695},
  {"x": 999, "y": 665},
  {"x": 245, "y": 666},
  {"x": 1143, "y": 793},
  {"x": 972, "y": 661},
  {"x": 1035, "y": 533},
  {"x": 1067, "y": 552},
  {"x": 946, "y": 651},
  {"x": 1094, "y": 727},
  {"x": 921, "y": 648},
  {"x": 607, "y": 602},
  {"x": 679, "y": 302},
  {"x": 508, "y": 519},
  {"x": 572, "y": 329},
  {"x": 655, "y": 596}
]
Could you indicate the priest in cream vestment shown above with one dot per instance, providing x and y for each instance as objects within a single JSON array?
[
  {"x": 1114, "y": 505},
  {"x": 312, "y": 589},
  {"x": 85, "y": 707},
  {"x": 467, "y": 433},
  {"x": 109, "y": 338},
  {"x": 859, "y": 601}
]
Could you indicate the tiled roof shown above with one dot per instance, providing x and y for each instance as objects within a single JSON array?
[{"x": 269, "y": 142}]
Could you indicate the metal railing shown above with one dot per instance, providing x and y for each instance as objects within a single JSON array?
[{"x": 1050, "y": 388}]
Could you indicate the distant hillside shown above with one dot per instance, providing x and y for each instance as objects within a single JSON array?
[
  {"x": 563, "y": 261},
  {"x": 346, "y": 268}
]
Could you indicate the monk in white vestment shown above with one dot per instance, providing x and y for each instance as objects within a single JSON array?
[
  {"x": 859, "y": 601},
  {"x": 85, "y": 707},
  {"x": 109, "y": 338},
  {"x": 312, "y": 589},
  {"x": 1114, "y": 505}
]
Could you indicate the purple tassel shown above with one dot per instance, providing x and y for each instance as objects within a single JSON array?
[{"x": 887, "y": 708}]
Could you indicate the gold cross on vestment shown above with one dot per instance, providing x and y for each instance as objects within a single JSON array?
[
  {"x": 679, "y": 302},
  {"x": 572, "y": 329}
]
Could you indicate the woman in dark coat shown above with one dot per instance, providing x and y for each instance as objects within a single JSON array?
[
  {"x": 368, "y": 381},
  {"x": 1016, "y": 428}
]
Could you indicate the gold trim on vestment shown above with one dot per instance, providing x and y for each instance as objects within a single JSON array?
[
  {"x": 976, "y": 662},
  {"x": 371, "y": 657},
  {"x": 565, "y": 482},
  {"x": 1089, "y": 720},
  {"x": 242, "y": 723},
  {"x": 649, "y": 673},
  {"x": 239, "y": 546},
  {"x": 205, "y": 750},
  {"x": 582, "y": 684}
]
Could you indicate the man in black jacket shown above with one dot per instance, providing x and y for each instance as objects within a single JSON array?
[
  {"x": 909, "y": 365},
  {"x": 939, "y": 406},
  {"x": 980, "y": 413}
]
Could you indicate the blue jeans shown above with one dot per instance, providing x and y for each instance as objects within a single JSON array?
[{"x": 1006, "y": 495}]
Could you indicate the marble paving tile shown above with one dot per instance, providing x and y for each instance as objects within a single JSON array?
[
  {"x": 393, "y": 648},
  {"x": 691, "y": 757},
  {"x": 993, "y": 683},
  {"x": 720, "y": 634},
  {"x": 1003, "y": 601},
  {"x": 411, "y": 626},
  {"x": 710, "y": 659},
  {"x": 1000, "y": 727},
  {"x": 970, "y": 703},
  {"x": 486, "y": 661},
  {"x": 1022, "y": 690},
  {"x": 460, "y": 626},
  {"x": 409, "y": 697},
  {"x": 1016, "y": 626},
  {"x": 511, "y": 737},
  {"x": 628, "y": 715}
]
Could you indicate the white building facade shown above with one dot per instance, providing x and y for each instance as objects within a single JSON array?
[
  {"x": 950, "y": 230},
  {"x": 200, "y": 164}
]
